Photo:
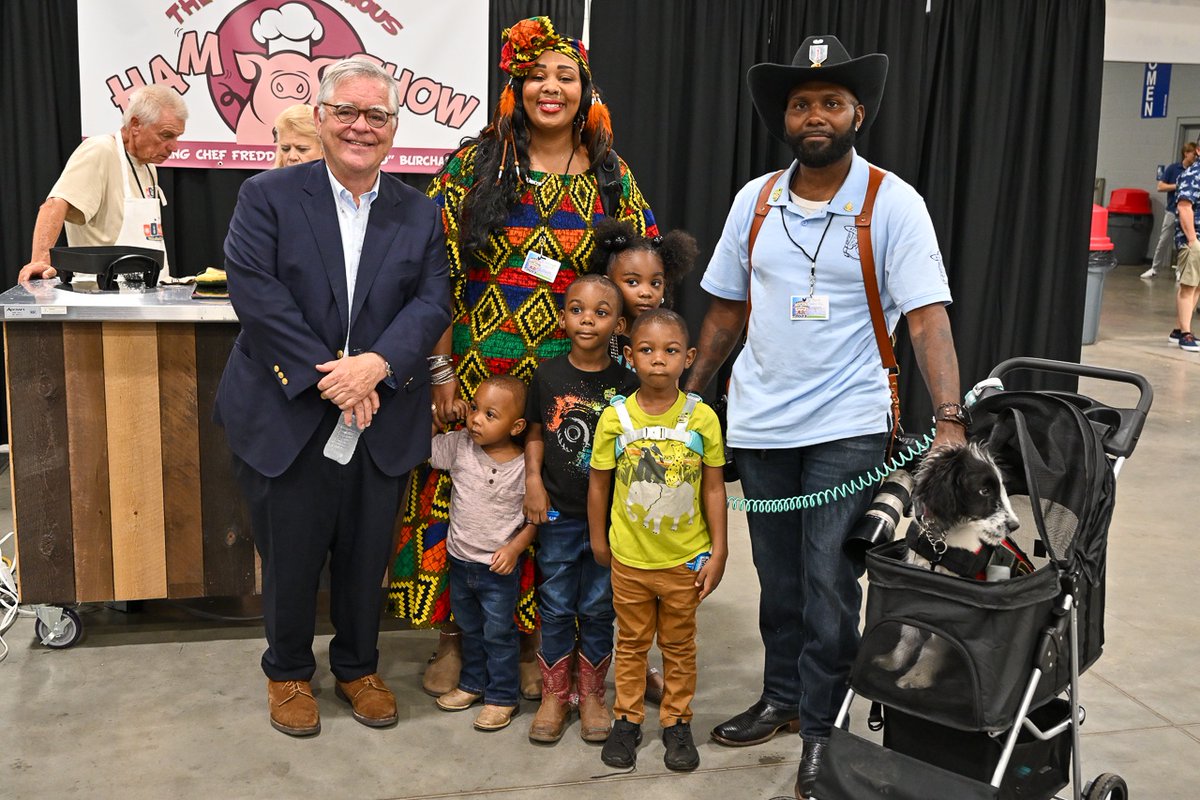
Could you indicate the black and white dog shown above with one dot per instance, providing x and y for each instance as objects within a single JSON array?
[{"x": 961, "y": 514}]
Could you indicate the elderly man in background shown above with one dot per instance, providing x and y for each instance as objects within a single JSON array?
[
  {"x": 339, "y": 276},
  {"x": 109, "y": 193}
]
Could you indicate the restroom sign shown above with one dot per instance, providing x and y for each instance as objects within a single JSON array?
[{"x": 1156, "y": 87}]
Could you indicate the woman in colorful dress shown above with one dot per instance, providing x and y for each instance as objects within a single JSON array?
[{"x": 519, "y": 202}]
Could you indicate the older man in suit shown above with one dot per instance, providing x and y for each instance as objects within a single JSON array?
[{"x": 339, "y": 276}]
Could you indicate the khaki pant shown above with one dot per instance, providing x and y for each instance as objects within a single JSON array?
[
  {"x": 1189, "y": 265},
  {"x": 649, "y": 601}
]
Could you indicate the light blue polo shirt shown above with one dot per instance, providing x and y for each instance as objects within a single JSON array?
[{"x": 804, "y": 382}]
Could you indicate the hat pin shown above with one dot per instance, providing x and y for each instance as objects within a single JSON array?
[{"x": 818, "y": 51}]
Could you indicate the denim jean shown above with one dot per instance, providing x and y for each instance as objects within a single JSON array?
[
  {"x": 574, "y": 587},
  {"x": 809, "y": 591},
  {"x": 483, "y": 603}
]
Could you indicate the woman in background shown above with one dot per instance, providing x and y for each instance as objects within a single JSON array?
[{"x": 296, "y": 138}]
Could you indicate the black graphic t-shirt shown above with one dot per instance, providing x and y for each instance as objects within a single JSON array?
[{"x": 567, "y": 403}]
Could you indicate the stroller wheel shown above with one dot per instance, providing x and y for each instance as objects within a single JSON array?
[{"x": 1108, "y": 786}]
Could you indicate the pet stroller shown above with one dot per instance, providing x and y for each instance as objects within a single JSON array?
[{"x": 992, "y": 723}]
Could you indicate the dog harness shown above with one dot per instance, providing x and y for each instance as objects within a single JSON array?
[
  {"x": 658, "y": 433},
  {"x": 964, "y": 563}
]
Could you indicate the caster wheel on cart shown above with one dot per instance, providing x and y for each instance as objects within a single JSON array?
[
  {"x": 1108, "y": 786},
  {"x": 66, "y": 633}
]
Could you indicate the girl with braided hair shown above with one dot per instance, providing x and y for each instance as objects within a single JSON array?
[{"x": 519, "y": 203}]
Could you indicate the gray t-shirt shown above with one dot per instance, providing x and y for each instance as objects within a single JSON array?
[{"x": 485, "y": 499}]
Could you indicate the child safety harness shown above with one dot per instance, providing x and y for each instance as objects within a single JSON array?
[{"x": 658, "y": 433}]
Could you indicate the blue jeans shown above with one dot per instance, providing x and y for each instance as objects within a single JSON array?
[
  {"x": 573, "y": 587},
  {"x": 809, "y": 592},
  {"x": 483, "y": 604}
]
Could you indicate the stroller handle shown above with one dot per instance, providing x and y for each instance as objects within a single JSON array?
[{"x": 1123, "y": 438}]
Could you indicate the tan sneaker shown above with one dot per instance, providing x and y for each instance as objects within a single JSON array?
[
  {"x": 293, "y": 708},
  {"x": 441, "y": 675},
  {"x": 373, "y": 703},
  {"x": 458, "y": 700},
  {"x": 494, "y": 718},
  {"x": 551, "y": 718}
]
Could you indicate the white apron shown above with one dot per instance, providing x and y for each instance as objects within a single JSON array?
[{"x": 141, "y": 225}]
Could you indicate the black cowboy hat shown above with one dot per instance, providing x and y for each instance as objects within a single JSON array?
[{"x": 820, "y": 58}]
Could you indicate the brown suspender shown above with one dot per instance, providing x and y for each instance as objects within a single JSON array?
[
  {"x": 867, "y": 258},
  {"x": 870, "y": 285}
]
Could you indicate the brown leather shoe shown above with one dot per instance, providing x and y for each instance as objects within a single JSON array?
[
  {"x": 293, "y": 708},
  {"x": 494, "y": 718},
  {"x": 441, "y": 675},
  {"x": 594, "y": 719},
  {"x": 551, "y": 718},
  {"x": 373, "y": 703}
]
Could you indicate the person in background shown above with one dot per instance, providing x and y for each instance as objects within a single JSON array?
[
  {"x": 519, "y": 202},
  {"x": 1165, "y": 249},
  {"x": 108, "y": 193},
  {"x": 296, "y": 139},
  {"x": 325, "y": 398},
  {"x": 1187, "y": 195}
]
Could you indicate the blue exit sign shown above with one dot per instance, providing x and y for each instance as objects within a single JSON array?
[{"x": 1156, "y": 88}]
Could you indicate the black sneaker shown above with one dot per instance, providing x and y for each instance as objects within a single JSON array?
[
  {"x": 620, "y": 750},
  {"x": 681, "y": 753}
]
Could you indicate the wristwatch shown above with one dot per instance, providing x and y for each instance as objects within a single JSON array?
[{"x": 952, "y": 412}]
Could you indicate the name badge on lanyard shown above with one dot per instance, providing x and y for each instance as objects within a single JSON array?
[
  {"x": 542, "y": 267},
  {"x": 813, "y": 308}
]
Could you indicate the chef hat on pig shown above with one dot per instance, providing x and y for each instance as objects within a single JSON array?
[{"x": 291, "y": 27}]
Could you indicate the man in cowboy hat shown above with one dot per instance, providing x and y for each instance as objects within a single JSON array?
[{"x": 809, "y": 401}]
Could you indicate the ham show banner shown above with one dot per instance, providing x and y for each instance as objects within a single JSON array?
[{"x": 238, "y": 63}]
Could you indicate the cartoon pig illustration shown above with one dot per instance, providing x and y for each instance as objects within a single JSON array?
[
  {"x": 278, "y": 81},
  {"x": 286, "y": 75}
]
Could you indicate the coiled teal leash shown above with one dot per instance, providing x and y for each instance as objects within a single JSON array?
[{"x": 864, "y": 481}]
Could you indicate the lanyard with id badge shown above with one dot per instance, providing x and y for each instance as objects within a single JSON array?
[
  {"x": 813, "y": 306},
  {"x": 541, "y": 267}
]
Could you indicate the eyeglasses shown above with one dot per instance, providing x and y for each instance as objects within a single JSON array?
[{"x": 347, "y": 114}]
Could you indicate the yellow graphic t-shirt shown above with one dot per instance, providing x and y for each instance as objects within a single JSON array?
[{"x": 657, "y": 511}]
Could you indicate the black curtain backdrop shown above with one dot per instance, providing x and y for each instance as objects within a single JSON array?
[{"x": 991, "y": 111}]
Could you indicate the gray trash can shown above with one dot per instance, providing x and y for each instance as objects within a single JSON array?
[
  {"x": 1130, "y": 223},
  {"x": 1100, "y": 263},
  {"x": 1130, "y": 234}
]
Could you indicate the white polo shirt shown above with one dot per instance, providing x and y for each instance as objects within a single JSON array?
[{"x": 801, "y": 382}]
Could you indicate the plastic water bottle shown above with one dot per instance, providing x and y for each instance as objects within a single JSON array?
[{"x": 343, "y": 440}]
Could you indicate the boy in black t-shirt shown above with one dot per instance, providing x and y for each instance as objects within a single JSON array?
[{"x": 566, "y": 398}]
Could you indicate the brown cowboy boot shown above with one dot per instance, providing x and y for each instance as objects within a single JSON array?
[
  {"x": 594, "y": 718},
  {"x": 528, "y": 671},
  {"x": 551, "y": 718},
  {"x": 441, "y": 675}
]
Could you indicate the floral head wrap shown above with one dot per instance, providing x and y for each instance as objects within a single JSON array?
[{"x": 529, "y": 38}]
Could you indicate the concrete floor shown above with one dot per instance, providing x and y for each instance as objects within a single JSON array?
[{"x": 164, "y": 705}]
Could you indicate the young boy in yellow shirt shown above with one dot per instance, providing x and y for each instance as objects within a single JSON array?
[{"x": 666, "y": 544}]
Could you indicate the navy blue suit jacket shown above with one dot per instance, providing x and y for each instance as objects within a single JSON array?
[{"x": 287, "y": 282}]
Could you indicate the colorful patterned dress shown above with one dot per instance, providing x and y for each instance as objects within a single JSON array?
[{"x": 505, "y": 322}]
